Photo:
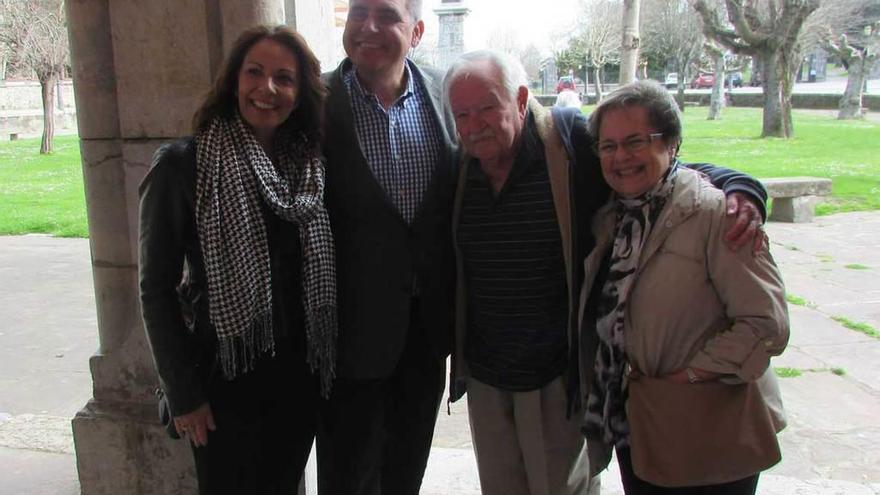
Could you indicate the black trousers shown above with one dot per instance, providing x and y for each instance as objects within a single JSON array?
[
  {"x": 633, "y": 485},
  {"x": 266, "y": 421},
  {"x": 374, "y": 436}
]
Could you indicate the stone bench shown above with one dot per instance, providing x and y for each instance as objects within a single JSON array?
[{"x": 794, "y": 198}]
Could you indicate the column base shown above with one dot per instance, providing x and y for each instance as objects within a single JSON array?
[{"x": 122, "y": 448}]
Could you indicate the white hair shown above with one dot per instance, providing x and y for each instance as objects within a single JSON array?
[{"x": 513, "y": 76}]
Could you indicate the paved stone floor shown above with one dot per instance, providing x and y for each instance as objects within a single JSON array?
[{"x": 47, "y": 334}]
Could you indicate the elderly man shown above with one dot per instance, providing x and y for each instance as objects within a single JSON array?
[
  {"x": 528, "y": 186},
  {"x": 389, "y": 150}
]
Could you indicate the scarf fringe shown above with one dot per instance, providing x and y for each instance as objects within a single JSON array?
[
  {"x": 238, "y": 353},
  {"x": 321, "y": 341},
  {"x": 233, "y": 174}
]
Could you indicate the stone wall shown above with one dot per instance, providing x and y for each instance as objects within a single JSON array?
[
  {"x": 21, "y": 108},
  {"x": 24, "y": 122},
  {"x": 26, "y": 95}
]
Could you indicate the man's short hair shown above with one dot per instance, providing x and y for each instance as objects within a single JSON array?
[
  {"x": 513, "y": 76},
  {"x": 663, "y": 112}
]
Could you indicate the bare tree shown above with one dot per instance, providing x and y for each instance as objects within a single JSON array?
[
  {"x": 673, "y": 33},
  {"x": 36, "y": 32},
  {"x": 531, "y": 60},
  {"x": 716, "y": 101},
  {"x": 629, "y": 48},
  {"x": 844, "y": 28},
  {"x": 768, "y": 30},
  {"x": 717, "y": 53},
  {"x": 860, "y": 61},
  {"x": 505, "y": 40},
  {"x": 598, "y": 37},
  {"x": 508, "y": 41},
  {"x": 838, "y": 17}
]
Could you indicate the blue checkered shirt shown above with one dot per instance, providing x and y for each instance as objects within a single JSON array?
[{"x": 401, "y": 144}]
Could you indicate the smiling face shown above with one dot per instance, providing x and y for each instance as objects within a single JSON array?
[
  {"x": 632, "y": 174},
  {"x": 378, "y": 34},
  {"x": 489, "y": 122},
  {"x": 267, "y": 88}
]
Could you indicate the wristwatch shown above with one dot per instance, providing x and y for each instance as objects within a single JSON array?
[{"x": 692, "y": 376}]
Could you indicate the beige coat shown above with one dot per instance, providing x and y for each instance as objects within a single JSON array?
[{"x": 695, "y": 303}]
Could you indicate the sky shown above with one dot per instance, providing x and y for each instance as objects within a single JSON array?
[{"x": 533, "y": 21}]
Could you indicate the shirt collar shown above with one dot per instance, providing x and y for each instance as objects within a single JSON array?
[{"x": 360, "y": 92}]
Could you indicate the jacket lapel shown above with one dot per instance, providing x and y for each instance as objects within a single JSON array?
[
  {"x": 558, "y": 172},
  {"x": 684, "y": 203},
  {"x": 340, "y": 118},
  {"x": 433, "y": 86}
]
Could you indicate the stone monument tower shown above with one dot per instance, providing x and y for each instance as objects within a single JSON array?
[{"x": 450, "y": 42}]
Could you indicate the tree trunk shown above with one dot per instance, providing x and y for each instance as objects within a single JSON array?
[
  {"x": 716, "y": 103},
  {"x": 788, "y": 66},
  {"x": 597, "y": 83},
  {"x": 772, "y": 85},
  {"x": 47, "y": 86},
  {"x": 851, "y": 103},
  {"x": 757, "y": 68},
  {"x": 629, "y": 49}
]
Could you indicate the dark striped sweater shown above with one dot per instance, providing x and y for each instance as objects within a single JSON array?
[{"x": 515, "y": 274}]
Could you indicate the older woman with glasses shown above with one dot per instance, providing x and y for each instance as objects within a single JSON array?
[{"x": 677, "y": 330}]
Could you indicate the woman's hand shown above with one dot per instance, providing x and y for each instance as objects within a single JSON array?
[
  {"x": 195, "y": 425},
  {"x": 683, "y": 378},
  {"x": 748, "y": 227}
]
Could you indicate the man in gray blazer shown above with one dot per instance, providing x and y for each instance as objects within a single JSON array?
[{"x": 389, "y": 149}]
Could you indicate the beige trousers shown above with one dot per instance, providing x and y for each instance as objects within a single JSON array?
[{"x": 524, "y": 443}]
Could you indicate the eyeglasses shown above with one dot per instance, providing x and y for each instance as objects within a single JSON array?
[{"x": 630, "y": 145}]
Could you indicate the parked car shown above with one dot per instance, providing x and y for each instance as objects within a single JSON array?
[
  {"x": 734, "y": 79},
  {"x": 671, "y": 80},
  {"x": 567, "y": 82},
  {"x": 703, "y": 81}
]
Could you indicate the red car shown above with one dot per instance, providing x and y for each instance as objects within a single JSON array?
[
  {"x": 565, "y": 82},
  {"x": 703, "y": 81}
]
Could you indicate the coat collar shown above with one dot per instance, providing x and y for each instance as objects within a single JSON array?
[{"x": 684, "y": 202}]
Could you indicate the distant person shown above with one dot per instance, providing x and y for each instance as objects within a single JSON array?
[
  {"x": 237, "y": 281},
  {"x": 568, "y": 98},
  {"x": 677, "y": 330},
  {"x": 528, "y": 185}
]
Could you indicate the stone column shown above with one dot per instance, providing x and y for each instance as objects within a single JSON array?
[
  {"x": 140, "y": 70},
  {"x": 315, "y": 20},
  {"x": 450, "y": 42}
]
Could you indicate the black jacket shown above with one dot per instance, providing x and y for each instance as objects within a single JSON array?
[{"x": 173, "y": 292}]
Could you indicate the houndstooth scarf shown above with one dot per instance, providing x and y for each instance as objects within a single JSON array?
[
  {"x": 605, "y": 416},
  {"x": 233, "y": 173}
]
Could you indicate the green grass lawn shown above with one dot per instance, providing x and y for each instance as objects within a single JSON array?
[
  {"x": 847, "y": 152},
  {"x": 42, "y": 193}
]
